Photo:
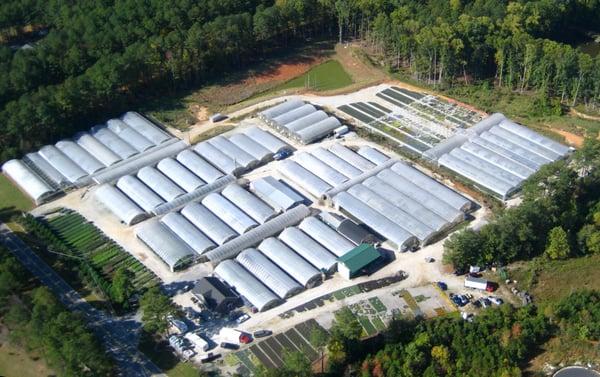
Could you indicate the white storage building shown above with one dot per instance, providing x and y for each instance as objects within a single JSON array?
[
  {"x": 246, "y": 285},
  {"x": 199, "y": 166},
  {"x": 289, "y": 261},
  {"x": 208, "y": 223},
  {"x": 188, "y": 233},
  {"x": 119, "y": 204},
  {"x": 170, "y": 248},
  {"x": 229, "y": 213},
  {"x": 309, "y": 249},
  {"x": 139, "y": 193},
  {"x": 180, "y": 175},
  {"x": 250, "y": 204},
  {"x": 276, "y": 194},
  {"x": 268, "y": 273},
  {"x": 31, "y": 183},
  {"x": 326, "y": 236}
]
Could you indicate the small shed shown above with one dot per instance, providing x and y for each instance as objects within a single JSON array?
[
  {"x": 216, "y": 294},
  {"x": 354, "y": 261}
]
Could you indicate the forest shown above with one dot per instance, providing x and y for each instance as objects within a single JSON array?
[
  {"x": 88, "y": 60},
  {"x": 42, "y": 326}
]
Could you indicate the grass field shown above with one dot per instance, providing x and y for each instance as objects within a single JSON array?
[
  {"x": 15, "y": 362},
  {"x": 211, "y": 133},
  {"x": 11, "y": 199},
  {"x": 549, "y": 281},
  {"x": 329, "y": 75}
]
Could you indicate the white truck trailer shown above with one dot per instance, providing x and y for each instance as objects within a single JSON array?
[{"x": 477, "y": 283}]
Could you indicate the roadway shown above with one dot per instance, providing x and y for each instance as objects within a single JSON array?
[{"x": 118, "y": 335}]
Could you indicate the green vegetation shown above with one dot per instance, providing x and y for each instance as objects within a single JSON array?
[
  {"x": 550, "y": 281},
  {"x": 12, "y": 199},
  {"x": 493, "y": 345},
  {"x": 101, "y": 58},
  {"x": 211, "y": 133},
  {"x": 156, "y": 307},
  {"x": 521, "y": 107},
  {"x": 558, "y": 244},
  {"x": 98, "y": 261},
  {"x": 162, "y": 355},
  {"x": 500, "y": 341},
  {"x": 38, "y": 322},
  {"x": 561, "y": 201},
  {"x": 329, "y": 75},
  {"x": 377, "y": 304}
]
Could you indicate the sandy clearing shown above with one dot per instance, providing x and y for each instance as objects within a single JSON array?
[{"x": 571, "y": 138}]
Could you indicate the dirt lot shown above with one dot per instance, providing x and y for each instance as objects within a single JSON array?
[
  {"x": 16, "y": 362},
  {"x": 571, "y": 138}
]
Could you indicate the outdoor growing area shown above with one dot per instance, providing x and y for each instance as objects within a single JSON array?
[
  {"x": 102, "y": 262},
  {"x": 104, "y": 253}
]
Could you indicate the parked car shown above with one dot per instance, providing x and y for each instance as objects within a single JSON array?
[
  {"x": 459, "y": 300},
  {"x": 194, "y": 300},
  {"x": 282, "y": 154},
  {"x": 496, "y": 300},
  {"x": 243, "y": 318},
  {"x": 441, "y": 285},
  {"x": 245, "y": 339},
  {"x": 210, "y": 357},
  {"x": 476, "y": 303},
  {"x": 262, "y": 333},
  {"x": 485, "y": 303},
  {"x": 230, "y": 346},
  {"x": 429, "y": 260}
]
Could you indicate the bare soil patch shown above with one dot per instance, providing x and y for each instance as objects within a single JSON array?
[
  {"x": 571, "y": 138},
  {"x": 284, "y": 72}
]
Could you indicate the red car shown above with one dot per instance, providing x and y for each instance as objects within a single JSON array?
[{"x": 245, "y": 339}]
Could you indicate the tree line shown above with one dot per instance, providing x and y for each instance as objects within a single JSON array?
[
  {"x": 101, "y": 58},
  {"x": 517, "y": 43},
  {"x": 498, "y": 342},
  {"x": 559, "y": 217},
  {"x": 39, "y": 323}
]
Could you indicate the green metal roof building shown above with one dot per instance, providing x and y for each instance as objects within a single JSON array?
[{"x": 356, "y": 259}]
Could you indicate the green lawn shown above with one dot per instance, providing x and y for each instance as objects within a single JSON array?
[
  {"x": 326, "y": 76},
  {"x": 11, "y": 199}
]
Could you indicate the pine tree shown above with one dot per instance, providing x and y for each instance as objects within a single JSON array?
[{"x": 558, "y": 244}]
